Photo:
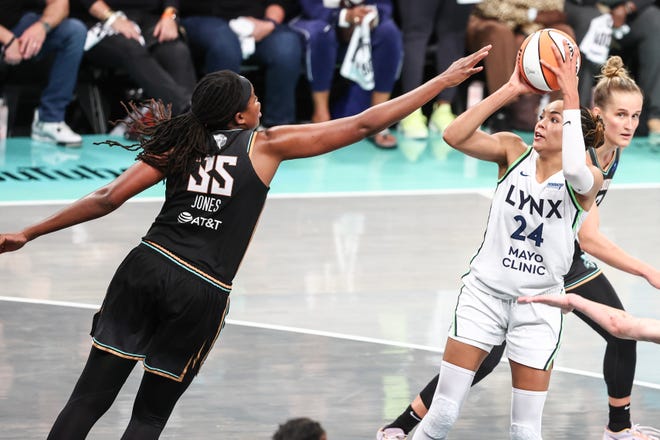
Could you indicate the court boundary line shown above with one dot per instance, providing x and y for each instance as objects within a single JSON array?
[
  {"x": 323, "y": 333},
  {"x": 486, "y": 192}
]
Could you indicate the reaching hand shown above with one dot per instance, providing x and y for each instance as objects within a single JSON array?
[
  {"x": 12, "y": 242},
  {"x": 519, "y": 85},
  {"x": 463, "y": 68},
  {"x": 566, "y": 69},
  {"x": 561, "y": 301}
]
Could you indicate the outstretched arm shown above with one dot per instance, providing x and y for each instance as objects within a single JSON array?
[
  {"x": 97, "y": 204},
  {"x": 593, "y": 242},
  {"x": 295, "y": 141},
  {"x": 617, "y": 322}
]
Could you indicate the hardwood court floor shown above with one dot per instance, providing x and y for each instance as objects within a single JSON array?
[{"x": 338, "y": 313}]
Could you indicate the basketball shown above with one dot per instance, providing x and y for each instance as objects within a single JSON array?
[{"x": 537, "y": 47}]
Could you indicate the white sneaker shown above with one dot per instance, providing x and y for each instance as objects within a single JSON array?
[
  {"x": 636, "y": 432},
  {"x": 391, "y": 434},
  {"x": 54, "y": 132}
]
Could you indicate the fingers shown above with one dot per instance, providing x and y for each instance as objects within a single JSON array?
[{"x": 29, "y": 48}]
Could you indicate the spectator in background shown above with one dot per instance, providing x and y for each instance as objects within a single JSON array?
[
  {"x": 631, "y": 29},
  {"x": 28, "y": 34},
  {"x": 228, "y": 31},
  {"x": 593, "y": 33},
  {"x": 300, "y": 429},
  {"x": 327, "y": 26},
  {"x": 142, "y": 38},
  {"x": 505, "y": 24},
  {"x": 447, "y": 20},
  {"x": 637, "y": 40}
]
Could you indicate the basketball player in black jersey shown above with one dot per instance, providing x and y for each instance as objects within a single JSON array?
[
  {"x": 618, "y": 101},
  {"x": 166, "y": 304}
]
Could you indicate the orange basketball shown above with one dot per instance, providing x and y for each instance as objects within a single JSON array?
[{"x": 537, "y": 47}]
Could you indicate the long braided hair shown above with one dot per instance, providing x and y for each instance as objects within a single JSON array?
[
  {"x": 593, "y": 128},
  {"x": 176, "y": 144}
]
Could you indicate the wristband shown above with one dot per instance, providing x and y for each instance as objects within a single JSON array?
[
  {"x": 113, "y": 17},
  {"x": 272, "y": 20},
  {"x": 107, "y": 14},
  {"x": 169, "y": 13},
  {"x": 47, "y": 27},
  {"x": 6, "y": 46},
  {"x": 9, "y": 43}
]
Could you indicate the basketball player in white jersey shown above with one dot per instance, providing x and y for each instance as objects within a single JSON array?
[{"x": 542, "y": 196}]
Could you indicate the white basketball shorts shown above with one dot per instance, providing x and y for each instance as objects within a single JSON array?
[{"x": 532, "y": 331}]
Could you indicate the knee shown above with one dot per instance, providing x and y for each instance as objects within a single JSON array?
[
  {"x": 322, "y": 38},
  {"x": 74, "y": 29},
  {"x": 225, "y": 54},
  {"x": 440, "y": 418},
  {"x": 388, "y": 36},
  {"x": 178, "y": 50},
  {"x": 285, "y": 47}
]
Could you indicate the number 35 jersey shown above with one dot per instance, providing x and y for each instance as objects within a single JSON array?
[
  {"x": 530, "y": 235},
  {"x": 209, "y": 215}
]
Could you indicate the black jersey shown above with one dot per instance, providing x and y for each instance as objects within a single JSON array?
[
  {"x": 583, "y": 268},
  {"x": 209, "y": 216}
]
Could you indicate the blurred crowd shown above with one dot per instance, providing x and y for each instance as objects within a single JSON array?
[{"x": 348, "y": 54}]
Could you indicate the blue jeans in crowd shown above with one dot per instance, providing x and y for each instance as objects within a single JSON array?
[
  {"x": 280, "y": 53},
  {"x": 66, "y": 41}
]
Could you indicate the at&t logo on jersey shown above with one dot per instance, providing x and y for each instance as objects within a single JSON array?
[{"x": 186, "y": 217}]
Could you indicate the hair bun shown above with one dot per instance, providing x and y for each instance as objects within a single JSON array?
[{"x": 614, "y": 67}]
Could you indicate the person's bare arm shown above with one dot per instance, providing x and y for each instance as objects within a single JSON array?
[
  {"x": 465, "y": 134},
  {"x": 32, "y": 39},
  {"x": 595, "y": 243},
  {"x": 295, "y": 141},
  {"x": 97, "y": 204},
  {"x": 617, "y": 322}
]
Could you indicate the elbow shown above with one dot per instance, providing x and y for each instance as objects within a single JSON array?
[
  {"x": 617, "y": 327},
  {"x": 451, "y": 136},
  {"x": 587, "y": 245},
  {"x": 105, "y": 199},
  {"x": 620, "y": 326}
]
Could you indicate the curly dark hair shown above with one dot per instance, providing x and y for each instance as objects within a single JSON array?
[
  {"x": 176, "y": 144},
  {"x": 299, "y": 429}
]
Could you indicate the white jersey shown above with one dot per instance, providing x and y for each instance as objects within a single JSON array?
[{"x": 529, "y": 240}]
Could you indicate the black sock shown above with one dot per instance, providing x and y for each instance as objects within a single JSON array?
[
  {"x": 619, "y": 418},
  {"x": 406, "y": 421}
]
